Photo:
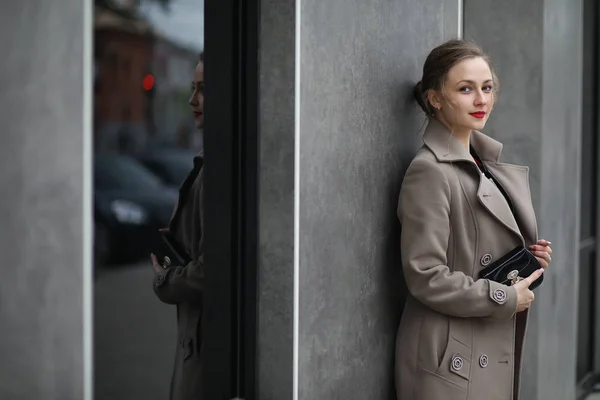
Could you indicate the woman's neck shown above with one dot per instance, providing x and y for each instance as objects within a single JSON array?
[{"x": 462, "y": 136}]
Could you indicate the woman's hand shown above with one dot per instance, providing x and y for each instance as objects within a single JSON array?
[
  {"x": 525, "y": 296},
  {"x": 542, "y": 252},
  {"x": 156, "y": 265}
]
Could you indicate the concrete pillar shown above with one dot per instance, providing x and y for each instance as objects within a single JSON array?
[
  {"x": 275, "y": 279},
  {"x": 338, "y": 129},
  {"x": 536, "y": 47},
  {"x": 45, "y": 174}
]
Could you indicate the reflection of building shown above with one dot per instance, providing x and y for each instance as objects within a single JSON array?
[
  {"x": 126, "y": 48},
  {"x": 173, "y": 66},
  {"x": 122, "y": 54}
]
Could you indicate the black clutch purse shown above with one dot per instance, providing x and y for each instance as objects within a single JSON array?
[
  {"x": 172, "y": 253},
  {"x": 517, "y": 264}
]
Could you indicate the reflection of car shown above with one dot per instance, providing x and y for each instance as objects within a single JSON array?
[
  {"x": 170, "y": 165},
  {"x": 130, "y": 205}
]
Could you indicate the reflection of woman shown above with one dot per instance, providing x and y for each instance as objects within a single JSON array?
[
  {"x": 462, "y": 337},
  {"x": 183, "y": 285}
]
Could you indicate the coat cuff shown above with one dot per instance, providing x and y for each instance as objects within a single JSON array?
[
  {"x": 160, "y": 279},
  {"x": 504, "y": 299}
]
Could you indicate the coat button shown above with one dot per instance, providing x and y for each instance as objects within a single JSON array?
[
  {"x": 499, "y": 296},
  {"x": 483, "y": 361},
  {"x": 486, "y": 259},
  {"x": 457, "y": 363},
  {"x": 159, "y": 280}
]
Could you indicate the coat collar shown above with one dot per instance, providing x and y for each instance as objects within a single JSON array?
[
  {"x": 447, "y": 148},
  {"x": 199, "y": 160},
  {"x": 513, "y": 178}
]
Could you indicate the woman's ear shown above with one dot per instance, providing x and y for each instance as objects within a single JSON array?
[{"x": 433, "y": 98}]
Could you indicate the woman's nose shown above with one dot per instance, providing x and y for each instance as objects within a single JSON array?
[{"x": 481, "y": 99}]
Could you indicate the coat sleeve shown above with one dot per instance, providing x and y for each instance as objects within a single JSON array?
[
  {"x": 181, "y": 284},
  {"x": 424, "y": 212},
  {"x": 184, "y": 284}
]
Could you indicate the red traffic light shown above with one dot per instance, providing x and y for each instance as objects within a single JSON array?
[{"x": 148, "y": 82}]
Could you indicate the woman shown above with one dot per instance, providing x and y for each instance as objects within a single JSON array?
[
  {"x": 183, "y": 285},
  {"x": 461, "y": 337}
]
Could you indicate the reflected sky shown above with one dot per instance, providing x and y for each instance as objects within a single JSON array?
[{"x": 183, "y": 23}]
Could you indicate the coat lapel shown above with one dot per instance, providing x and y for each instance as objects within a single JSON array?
[
  {"x": 185, "y": 188},
  {"x": 493, "y": 200},
  {"x": 513, "y": 178}
]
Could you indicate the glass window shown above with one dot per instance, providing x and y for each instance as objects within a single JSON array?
[{"x": 119, "y": 172}]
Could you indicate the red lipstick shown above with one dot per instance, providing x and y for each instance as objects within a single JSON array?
[{"x": 478, "y": 114}]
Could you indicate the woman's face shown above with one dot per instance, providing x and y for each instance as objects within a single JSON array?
[
  {"x": 197, "y": 98},
  {"x": 467, "y": 98}
]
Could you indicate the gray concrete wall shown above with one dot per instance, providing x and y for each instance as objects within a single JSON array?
[
  {"x": 536, "y": 46},
  {"x": 358, "y": 131},
  {"x": 45, "y": 288}
]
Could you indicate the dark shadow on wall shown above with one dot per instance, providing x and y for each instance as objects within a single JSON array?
[{"x": 412, "y": 121}]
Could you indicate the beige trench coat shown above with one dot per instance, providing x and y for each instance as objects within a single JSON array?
[{"x": 460, "y": 337}]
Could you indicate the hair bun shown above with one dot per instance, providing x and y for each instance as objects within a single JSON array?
[
  {"x": 419, "y": 87},
  {"x": 420, "y": 97}
]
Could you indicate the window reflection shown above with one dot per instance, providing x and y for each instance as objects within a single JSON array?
[{"x": 145, "y": 138}]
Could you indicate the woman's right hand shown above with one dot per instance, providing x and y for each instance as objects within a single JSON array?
[{"x": 525, "y": 296}]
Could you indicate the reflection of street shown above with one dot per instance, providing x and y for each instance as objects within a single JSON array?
[{"x": 134, "y": 336}]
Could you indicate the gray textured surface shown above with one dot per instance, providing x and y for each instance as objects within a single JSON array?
[
  {"x": 276, "y": 216},
  {"x": 135, "y": 336},
  {"x": 536, "y": 46},
  {"x": 559, "y": 197},
  {"x": 358, "y": 131},
  {"x": 41, "y": 235}
]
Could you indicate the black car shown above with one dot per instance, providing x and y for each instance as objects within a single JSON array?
[
  {"x": 170, "y": 165},
  {"x": 130, "y": 205}
]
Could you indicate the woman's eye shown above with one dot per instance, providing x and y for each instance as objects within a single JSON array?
[
  {"x": 465, "y": 89},
  {"x": 488, "y": 88}
]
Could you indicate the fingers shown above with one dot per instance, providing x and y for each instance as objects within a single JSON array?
[
  {"x": 541, "y": 248},
  {"x": 544, "y": 242},
  {"x": 155, "y": 265},
  {"x": 533, "y": 277},
  {"x": 543, "y": 263},
  {"x": 543, "y": 255}
]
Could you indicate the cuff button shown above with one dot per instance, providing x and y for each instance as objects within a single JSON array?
[{"x": 499, "y": 296}]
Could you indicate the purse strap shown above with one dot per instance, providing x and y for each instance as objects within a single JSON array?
[{"x": 489, "y": 175}]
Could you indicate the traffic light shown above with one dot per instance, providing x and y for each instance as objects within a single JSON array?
[
  {"x": 149, "y": 86},
  {"x": 148, "y": 82}
]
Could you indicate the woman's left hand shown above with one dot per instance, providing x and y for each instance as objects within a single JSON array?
[{"x": 542, "y": 251}]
